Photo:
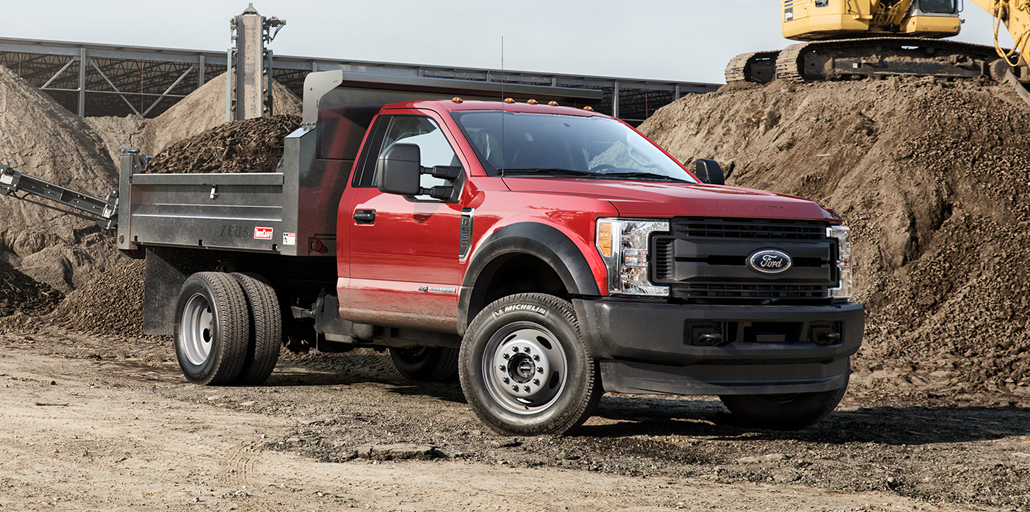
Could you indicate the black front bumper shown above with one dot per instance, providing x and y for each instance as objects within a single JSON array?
[{"x": 650, "y": 347}]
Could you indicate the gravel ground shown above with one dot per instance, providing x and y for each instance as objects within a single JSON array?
[{"x": 350, "y": 412}]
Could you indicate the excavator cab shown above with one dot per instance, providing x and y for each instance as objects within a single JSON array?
[{"x": 812, "y": 20}]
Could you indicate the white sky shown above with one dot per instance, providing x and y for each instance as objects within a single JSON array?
[{"x": 681, "y": 40}]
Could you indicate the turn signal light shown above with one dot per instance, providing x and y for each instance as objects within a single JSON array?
[{"x": 604, "y": 238}]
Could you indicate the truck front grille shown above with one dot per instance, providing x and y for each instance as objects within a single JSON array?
[{"x": 704, "y": 260}]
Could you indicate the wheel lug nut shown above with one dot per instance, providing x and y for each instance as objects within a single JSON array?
[
  {"x": 536, "y": 357},
  {"x": 515, "y": 387},
  {"x": 506, "y": 356},
  {"x": 503, "y": 367},
  {"x": 526, "y": 388},
  {"x": 536, "y": 382},
  {"x": 506, "y": 380},
  {"x": 515, "y": 349},
  {"x": 526, "y": 350},
  {"x": 539, "y": 369}
]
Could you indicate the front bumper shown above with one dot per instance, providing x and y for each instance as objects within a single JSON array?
[{"x": 650, "y": 347}]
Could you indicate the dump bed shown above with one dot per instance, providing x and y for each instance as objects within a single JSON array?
[{"x": 292, "y": 211}]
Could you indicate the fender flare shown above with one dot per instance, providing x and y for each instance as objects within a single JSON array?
[{"x": 530, "y": 238}]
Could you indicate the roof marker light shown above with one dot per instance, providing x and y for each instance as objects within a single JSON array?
[
  {"x": 457, "y": 99},
  {"x": 552, "y": 103},
  {"x": 509, "y": 100},
  {"x": 532, "y": 101},
  {"x": 588, "y": 107}
]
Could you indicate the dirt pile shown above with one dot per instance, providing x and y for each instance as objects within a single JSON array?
[
  {"x": 40, "y": 138},
  {"x": 250, "y": 145},
  {"x": 203, "y": 110},
  {"x": 931, "y": 176},
  {"x": 19, "y": 292},
  {"x": 110, "y": 304}
]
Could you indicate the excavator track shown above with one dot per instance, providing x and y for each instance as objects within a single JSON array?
[
  {"x": 752, "y": 67},
  {"x": 846, "y": 59}
]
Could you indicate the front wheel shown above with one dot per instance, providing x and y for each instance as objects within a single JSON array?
[
  {"x": 784, "y": 412},
  {"x": 525, "y": 369}
]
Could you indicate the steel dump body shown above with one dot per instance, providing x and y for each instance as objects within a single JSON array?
[{"x": 286, "y": 212}]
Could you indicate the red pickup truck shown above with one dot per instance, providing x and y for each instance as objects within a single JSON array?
[{"x": 545, "y": 253}]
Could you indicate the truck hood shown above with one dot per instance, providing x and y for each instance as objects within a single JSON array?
[{"x": 663, "y": 199}]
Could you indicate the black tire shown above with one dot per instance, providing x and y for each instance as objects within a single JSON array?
[
  {"x": 536, "y": 338},
  {"x": 427, "y": 364},
  {"x": 784, "y": 412},
  {"x": 266, "y": 330},
  {"x": 211, "y": 328}
]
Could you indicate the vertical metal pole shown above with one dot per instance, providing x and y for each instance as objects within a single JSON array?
[
  {"x": 270, "y": 94},
  {"x": 228, "y": 85},
  {"x": 82, "y": 81},
  {"x": 615, "y": 100},
  {"x": 676, "y": 93},
  {"x": 314, "y": 67},
  {"x": 200, "y": 73}
]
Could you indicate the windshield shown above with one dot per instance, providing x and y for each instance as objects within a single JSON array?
[{"x": 558, "y": 145}]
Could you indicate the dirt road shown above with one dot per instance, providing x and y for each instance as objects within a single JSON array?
[{"x": 103, "y": 423}]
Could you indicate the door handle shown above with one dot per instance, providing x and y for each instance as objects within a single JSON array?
[{"x": 365, "y": 216}]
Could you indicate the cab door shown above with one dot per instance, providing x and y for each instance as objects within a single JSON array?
[{"x": 402, "y": 256}]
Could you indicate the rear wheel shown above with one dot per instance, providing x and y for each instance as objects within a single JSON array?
[
  {"x": 784, "y": 412},
  {"x": 428, "y": 364},
  {"x": 524, "y": 367},
  {"x": 266, "y": 330},
  {"x": 211, "y": 328}
]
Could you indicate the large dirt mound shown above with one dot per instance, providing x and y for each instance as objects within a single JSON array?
[
  {"x": 203, "y": 110},
  {"x": 40, "y": 138},
  {"x": 250, "y": 145},
  {"x": 932, "y": 178}
]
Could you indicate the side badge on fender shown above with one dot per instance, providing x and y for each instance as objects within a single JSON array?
[{"x": 465, "y": 233}]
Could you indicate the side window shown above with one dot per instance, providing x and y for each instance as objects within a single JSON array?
[{"x": 421, "y": 131}]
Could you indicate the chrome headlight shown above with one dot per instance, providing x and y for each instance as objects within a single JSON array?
[
  {"x": 843, "y": 236},
  {"x": 623, "y": 244}
]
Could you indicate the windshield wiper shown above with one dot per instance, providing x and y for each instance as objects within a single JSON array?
[
  {"x": 549, "y": 172},
  {"x": 642, "y": 175}
]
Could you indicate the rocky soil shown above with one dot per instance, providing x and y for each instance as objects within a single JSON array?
[{"x": 251, "y": 145}]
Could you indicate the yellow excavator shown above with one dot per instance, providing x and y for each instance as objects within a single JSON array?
[{"x": 854, "y": 39}]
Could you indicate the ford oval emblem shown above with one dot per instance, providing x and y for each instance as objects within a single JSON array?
[{"x": 769, "y": 262}]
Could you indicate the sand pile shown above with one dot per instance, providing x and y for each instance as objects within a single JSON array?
[
  {"x": 40, "y": 138},
  {"x": 933, "y": 179},
  {"x": 250, "y": 145},
  {"x": 44, "y": 252}
]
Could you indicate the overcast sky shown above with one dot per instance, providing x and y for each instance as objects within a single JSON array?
[{"x": 675, "y": 40}]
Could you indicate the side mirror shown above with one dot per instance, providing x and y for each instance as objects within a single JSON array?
[
  {"x": 399, "y": 170},
  {"x": 708, "y": 171}
]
